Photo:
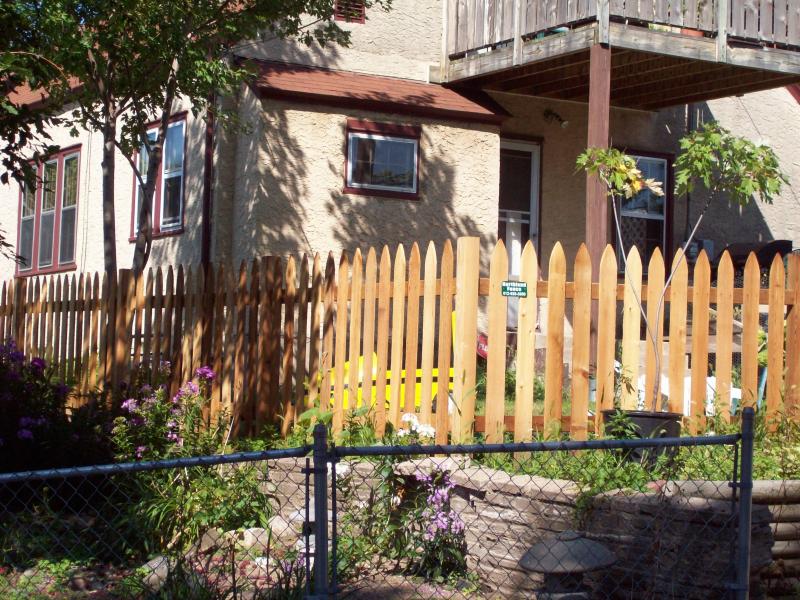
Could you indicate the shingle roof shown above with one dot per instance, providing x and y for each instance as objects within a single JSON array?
[{"x": 371, "y": 92}]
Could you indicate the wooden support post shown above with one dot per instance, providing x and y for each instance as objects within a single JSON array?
[
  {"x": 598, "y": 137},
  {"x": 599, "y": 107}
]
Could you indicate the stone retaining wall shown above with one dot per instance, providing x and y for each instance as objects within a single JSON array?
[{"x": 669, "y": 544}]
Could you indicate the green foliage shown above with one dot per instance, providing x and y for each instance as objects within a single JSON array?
[
  {"x": 729, "y": 164},
  {"x": 37, "y": 430},
  {"x": 175, "y": 507},
  {"x": 617, "y": 171}
]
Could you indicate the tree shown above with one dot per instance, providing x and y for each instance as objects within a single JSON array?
[
  {"x": 138, "y": 58},
  {"x": 724, "y": 164},
  {"x": 23, "y": 127}
]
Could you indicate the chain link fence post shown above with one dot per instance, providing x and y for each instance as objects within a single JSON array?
[
  {"x": 320, "y": 468},
  {"x": 745, "y": 486}
]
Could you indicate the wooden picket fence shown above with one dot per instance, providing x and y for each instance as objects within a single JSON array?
[{"x": 287, "y": 335}]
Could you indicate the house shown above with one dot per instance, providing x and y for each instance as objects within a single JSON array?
[{"x": 441, "y": 120}]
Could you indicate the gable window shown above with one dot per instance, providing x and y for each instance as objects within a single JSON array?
[
  {"x": 350, "y": 11},
  {"x": 48, "y": 216},
  {"x": 166, "y": 211},
  {"x": 645, "y": 218},
  {"x": 382, "y": 159}
]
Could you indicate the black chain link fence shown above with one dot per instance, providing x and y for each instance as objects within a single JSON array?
[
  {"x": 652, "y": 518},
  {"x": 228, "y": 526},
  {"x": 597, "y": 519}
]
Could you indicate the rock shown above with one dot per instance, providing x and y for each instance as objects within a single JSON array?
[
  {"x": 212, "y": 540},
  {"x": 449, "y": 464},
  {"x": 157, "y": 571},
  {"x": 255, "y": 538},
  {"x": 286, "y": 530}
]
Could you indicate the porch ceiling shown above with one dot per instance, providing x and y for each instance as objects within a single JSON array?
[{"x": 639, "y": 80}]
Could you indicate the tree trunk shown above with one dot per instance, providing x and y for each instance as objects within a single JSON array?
[{"x": 109, "y": 225}]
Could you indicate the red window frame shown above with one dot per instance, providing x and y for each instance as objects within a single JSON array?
[
  {"x": 56, "y": 266},
  {"x": 412, "y": 132},
  {"x": 155, "y": 212},
  {"x": 350, "y": 11}
]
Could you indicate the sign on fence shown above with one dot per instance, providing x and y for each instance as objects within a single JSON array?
[{"x": 514, "y": 289}]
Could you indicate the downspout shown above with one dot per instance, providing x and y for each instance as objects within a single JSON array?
[{"x": 208, "y": 180}]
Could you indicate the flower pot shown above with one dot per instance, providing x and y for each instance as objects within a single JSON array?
[
  {"x": 645, "y": 424},
  {"x": 692, "y": 32}
]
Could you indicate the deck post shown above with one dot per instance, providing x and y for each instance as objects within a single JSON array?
[
  {"x": 598, "y": 137},
  {"x": 599, "y": 108}
]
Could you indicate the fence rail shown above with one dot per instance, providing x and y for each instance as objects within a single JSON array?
[
  {"x": 475, "y": 24},
  {"x": 287, "y": 335}
]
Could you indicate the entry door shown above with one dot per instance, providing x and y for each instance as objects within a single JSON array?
[{"x": 518, "y": 219}]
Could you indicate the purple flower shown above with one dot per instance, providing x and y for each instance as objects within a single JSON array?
[
  {"x": 25, "y": 434},
  {"x": 15, "y": 356},
  {"x": 38, "y": 364},
  {"x": 140, "y": 450},
  {"x": 129, "y": 405},
  {"x": 205, "y": 373},
  {"x": 62, "y": 390},
  {"x": 146, "y": 390}
]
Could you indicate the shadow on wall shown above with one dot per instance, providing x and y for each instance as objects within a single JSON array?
[{"x": 364, "y": 221}]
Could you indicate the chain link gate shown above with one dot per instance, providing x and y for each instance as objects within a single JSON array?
[{"x": 476, "y": 521}]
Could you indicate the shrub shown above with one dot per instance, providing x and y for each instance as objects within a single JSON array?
[{"x": 38, "y": 430}]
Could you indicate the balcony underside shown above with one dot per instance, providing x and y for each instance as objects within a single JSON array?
[{"x": 650, "y": 69}]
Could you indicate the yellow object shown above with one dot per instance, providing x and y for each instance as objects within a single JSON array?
[{"x": 360, "y": 396}]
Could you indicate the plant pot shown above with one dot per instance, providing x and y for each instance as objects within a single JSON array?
[
  {"x": 645, "y": 424},
  {"x": 692, "y": 32}
]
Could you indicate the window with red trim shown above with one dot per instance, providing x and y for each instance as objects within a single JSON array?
[
  {"x": 167, "y": 209},
  {"x": 48, "y": 216},
  {"x": 382, "y": 159},
  {"x": 350, "y": 11}
]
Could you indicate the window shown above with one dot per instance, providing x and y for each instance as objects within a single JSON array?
[
  {"x": 167, "y": 209},
  {"x": 351, "y": 11},
  {"x": 644, "y": 218},
  {"x": 382, "y": 159},
  {"x": 48, "y": 216}
]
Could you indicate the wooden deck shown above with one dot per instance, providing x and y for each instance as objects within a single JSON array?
[{"x": 661, "y": 55}]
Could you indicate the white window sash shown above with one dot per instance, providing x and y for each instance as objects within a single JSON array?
[
  {"x": 171, "y": 174},
  {"x": 351, "y": 160}
]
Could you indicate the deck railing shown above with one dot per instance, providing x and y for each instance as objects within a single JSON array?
[{"x": 476, "y": 24}]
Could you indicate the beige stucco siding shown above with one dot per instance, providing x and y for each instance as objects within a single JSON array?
[
  {"x": 290, "y": 176},
  {"x": 403, "y": 42},
  {"x": 89, "y": 232}
]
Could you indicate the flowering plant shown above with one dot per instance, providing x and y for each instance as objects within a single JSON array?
[
  {"x": 443, "y": 543},
  {"x": 414, "y": 431},
  {"x": 154, "y": 425},
  {"x": 38, "y": 430}
]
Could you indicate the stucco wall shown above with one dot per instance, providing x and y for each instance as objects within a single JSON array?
[
  {"x": 89, "y": 232},
  {"x": 402, "y": 42},
  {"x": 290, "y": 176}
]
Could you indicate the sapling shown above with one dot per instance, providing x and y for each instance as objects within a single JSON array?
[{"x": 711, "y": 157}]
